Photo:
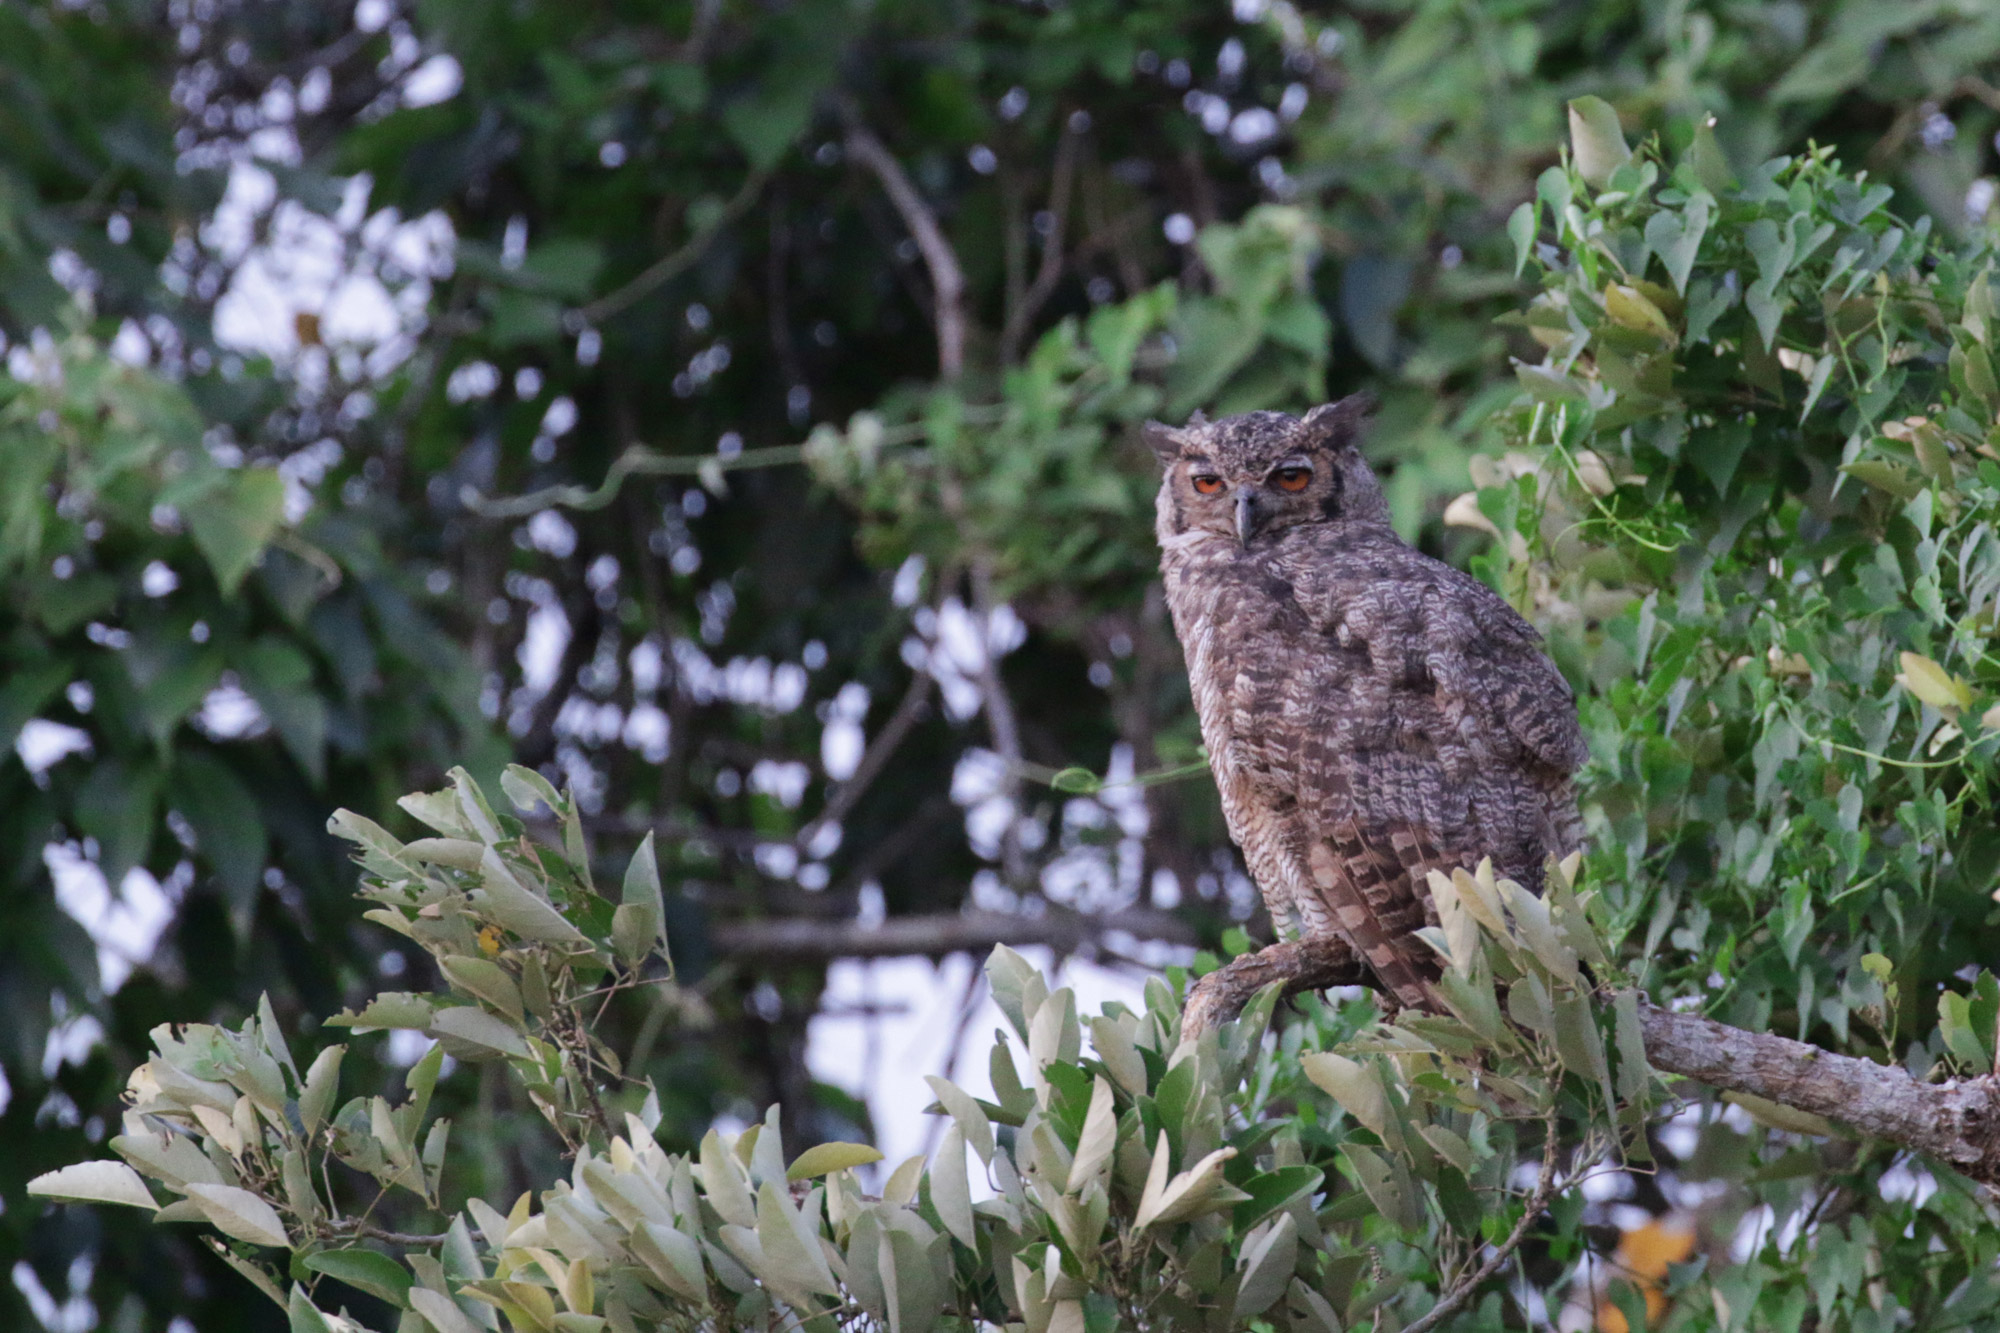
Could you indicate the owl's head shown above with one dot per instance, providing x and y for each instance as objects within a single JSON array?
[{"x": 1251, "y": 477}]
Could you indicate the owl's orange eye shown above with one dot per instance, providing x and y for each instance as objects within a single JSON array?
[
  {"x": 1293, "y": 478},
  {"x": 1207, "y": 483}
]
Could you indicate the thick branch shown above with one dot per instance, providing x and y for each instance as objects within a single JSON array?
[
  {"x": 1957, "y": 1121},
  {"x": 947, "y": 278},
  {"x": 1309, "y": 964},
  {"x": 794, "y": 939}
]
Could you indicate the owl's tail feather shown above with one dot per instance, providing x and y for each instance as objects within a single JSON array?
[{"x": 1373, "y": 883}]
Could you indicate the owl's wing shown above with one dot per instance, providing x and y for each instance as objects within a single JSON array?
[
  {"x": 1439, "y": 733},
  {"x": 1369, "y": 874},
  {"x": 1519, "y": 689}
]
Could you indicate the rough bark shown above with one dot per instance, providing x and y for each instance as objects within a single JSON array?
[{"x": 1956, "y": 1121}]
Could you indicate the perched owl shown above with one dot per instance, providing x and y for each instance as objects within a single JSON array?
[{"x": 1370, "y": 714}]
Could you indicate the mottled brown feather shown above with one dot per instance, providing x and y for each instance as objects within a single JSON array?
[{"x": 1370, "y": 713}]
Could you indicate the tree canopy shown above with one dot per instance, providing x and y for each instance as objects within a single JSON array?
[{"x": 728, "y": 414}]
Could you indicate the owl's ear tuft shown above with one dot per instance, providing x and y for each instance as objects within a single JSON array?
[
  {"x": 1339, "y": 425},
  {"x": 1165, "y": 441}
]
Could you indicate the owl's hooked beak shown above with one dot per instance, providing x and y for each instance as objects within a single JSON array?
[{"x": 1246, "y": 513}]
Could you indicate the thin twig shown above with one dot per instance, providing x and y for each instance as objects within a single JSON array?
[
  {"x": 849, "y": 793},
  {"x": 1024, "y": 311},
  {"x": 947, "y": 278},
  {"x": 1537, "y": 1201},
  {"x": 391, "y": 1237},
  {"x": 636, "y": 461},
  {"x": 1005, "y": 727},
  {"x": 670, "y": 266}
]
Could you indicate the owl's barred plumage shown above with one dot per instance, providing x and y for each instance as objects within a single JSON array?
[{"x": 1370, "y": 714}]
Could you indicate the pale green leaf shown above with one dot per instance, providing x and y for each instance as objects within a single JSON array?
[
  {"x": 241, "y": 1214},
  {"x": 826, "y": 1158},
  {"x": 95, "y": 1182}
]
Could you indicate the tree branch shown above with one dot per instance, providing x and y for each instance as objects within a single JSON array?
[
  {"x": 1022, "y": 312},
  {"x": 841, "y": 804},
  {"x": 672, "y": 265},
  {"x": 1956, "y": 1121},
  {"x": 947, "y": 278},
  {"x": 1464, "y": 1291},
  {"x": 795, "y": 939}
]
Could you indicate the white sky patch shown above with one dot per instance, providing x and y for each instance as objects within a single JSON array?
[
  {"x": 124, "y": 926},
  {"x": 884, "y": 1057},
  {"x": 843, "y": 741},
  {"x": 70, "y": 1042},
  {"x": 753, "y": 682},
  {"x": 1905, "y": 1181},
  {"x": 649, "y": 731},
  {"x": 158, "y": 579},
  {"x": 955, "y": 646},
  {"x": 909, "y": 583},
  {"x": 542, "y": 646},
  {"x": 474, "y": 379},
  {"x": 229, "y": 713},
  {"x": 76, "y": 1313},
  {"x": 784, "y": 781},
  {"x": 436, "y": 80},
  {"x": 647, "y": 665},
  {"x": 43, "y": 744},
  {"x": 551, "y": 533}
]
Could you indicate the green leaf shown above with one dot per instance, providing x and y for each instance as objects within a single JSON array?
[
  {"x": 767, "y": 123},
  {"x": 1267, "y": 1266},
  {"x": 279, "y": 676},
  {"x": 302, "y": 1316},
  {"x": 241, "y": 1214},
  {"x": 965, "y": 1112},
  {"x": 1096, "y": 1142},
  {"x": 520, "y": 909},
  {"x": 1597, "y": 144},
  {"x": 233, "y": 522},
  {"x": 1271, "y": 1190},
  {"x": 643, "y": 901},
  {"x": 228, "y": 826},
  {"x": 485, "y": 979},
  {"x": 441, "y": 1311},
  {"x": 473, "y": 1034},
  {"x": 526, "y": 789},
  {"x": 951, "y": 1189},
  {"x": 826, "y": 1158},
  {"x": 389, "y": 1009},
  {"x": 117, "y": 805},
  {"x": 1357, "y": 1087},
  {"x": 1676, "y": 237},
  {"x": 24, "y": 692},
  {"x": 1521, "y": 227},
  {"x": 365, "y": 1270},
  {"x": 1955, "y": 1024},
  {"x": 322, "y": 1083},
  {"x": 95, "y": 1182},
  {"x": 791, "y": 1251}
]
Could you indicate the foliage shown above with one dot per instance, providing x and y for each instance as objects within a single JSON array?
[
  {"x": 644, "y": 227},
  {"x": 1763, "y": 423},
  {"x": 1049, "y": 486},
  {"x": 1145, "y": 1181},
  {"x": 1753, "y": 492}
]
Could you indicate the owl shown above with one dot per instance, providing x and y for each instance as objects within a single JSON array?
[{"x": 1370, "y": 714}]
